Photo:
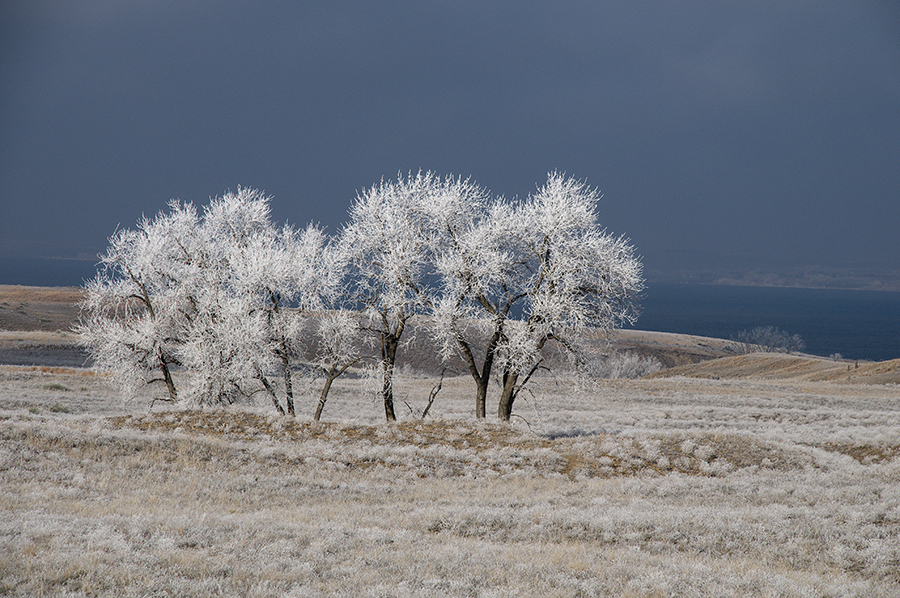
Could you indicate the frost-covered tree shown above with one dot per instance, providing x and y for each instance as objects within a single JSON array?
[
  {"x": 133, "y": 314},
  {"x": 474, "y": 263},
  {"x": 517, "y": 275},
  {"x": 387, "y": 246},
  {"x": 573, "y": 275},
  {"x": 219, "y": 295},
  {"x": 258, "y": 282}
]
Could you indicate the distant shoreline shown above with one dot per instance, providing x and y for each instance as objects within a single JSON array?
[{"x": 855, "y": 324}]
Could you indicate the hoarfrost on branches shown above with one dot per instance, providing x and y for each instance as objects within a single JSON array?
[
  {"x": 519, "y": 274},
  {"x": 574, "y": 275},
  {"x": 221, "y": 295},
  {"x": 218, "y": 295},
  {"x": 339, "y": 349},
  {"x": 133, "y": 314},
  {"x": 388, "y": 245}
]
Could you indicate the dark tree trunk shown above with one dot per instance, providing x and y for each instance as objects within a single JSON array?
[
  {"x": 271, "y": 392},
  {"x": 284, "y": 355},
  {"x": 389, "y": 357},
  {"x": 390, "y": 340},
  {"x": 331, "y": 375},
  {"x": 481, "y": 388},
  {"x": 167, "y": 377},
  {"x": 511, "y": 387},
  {"x": 170, "y": 384},
  {"x": 482, "y": 379},
  {"x": 288, "y": 382},
  {"x": 508, "y": 395},
  {"x": 324, "y": 395}
]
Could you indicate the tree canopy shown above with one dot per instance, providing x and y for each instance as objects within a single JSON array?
[{"x": 223, "y": 295}]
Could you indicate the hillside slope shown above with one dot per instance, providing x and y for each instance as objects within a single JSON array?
[
  {"x": 38, "y": 308},
  {"x": 779, "y": 366}
]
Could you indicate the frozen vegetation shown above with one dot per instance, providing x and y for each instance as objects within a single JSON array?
[
  {"x": 663, "y": 487},
  {"x": 222, "y": 294}
]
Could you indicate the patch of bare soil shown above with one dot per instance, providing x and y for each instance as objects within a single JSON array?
[{"x": 778, "y": 366}]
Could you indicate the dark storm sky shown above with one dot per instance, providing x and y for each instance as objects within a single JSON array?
[{"x": 730, "y": 139}]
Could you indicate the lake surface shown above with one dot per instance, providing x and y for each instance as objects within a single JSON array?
[{"x": 856, "y": 324}]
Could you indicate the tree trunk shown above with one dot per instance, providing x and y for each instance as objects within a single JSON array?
[
  {"x": 170, "y": 384},
  {"x": 324, "y": 396},
  {"x": 481, "y": 388},
  {"x": 387, "y": 391},
  {"x": 330, "y": 376},
  {"x": 389, "y": 344},
  {"x": 271, "y": 392},
  {"x": 390, "y": 340},
  {"x": 508, "y": 395},
  {"x": 511, "y": 387},
  {"x": 167, "y": 375},
  {"x": 288, "y": 382},
  {"x": 483, "y": 378}
]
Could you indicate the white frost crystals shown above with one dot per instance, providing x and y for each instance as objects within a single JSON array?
[
  {"x": 519, "y": 274},
  {"x": 216, "y": 296},
  {"x": 224, "y": 296}
]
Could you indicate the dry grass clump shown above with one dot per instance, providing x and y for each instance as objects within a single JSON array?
[
  {"x": 865, "y": 453},
  {"x": 471, "y": 447}
]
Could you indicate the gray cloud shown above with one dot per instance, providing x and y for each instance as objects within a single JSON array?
[{"x": 749, "y": 135}]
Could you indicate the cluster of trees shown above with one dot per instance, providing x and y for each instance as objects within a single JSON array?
[
  {"x": 223, "y": 295},
  {"x": 767, "y": 339}
]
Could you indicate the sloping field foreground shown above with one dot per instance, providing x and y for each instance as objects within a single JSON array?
[{"x": 669, "y": 487}]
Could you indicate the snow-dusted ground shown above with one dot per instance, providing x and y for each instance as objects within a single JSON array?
[{"x": 668, "y": 487}]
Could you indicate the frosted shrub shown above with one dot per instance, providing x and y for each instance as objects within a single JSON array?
[{"x": 627, "y": 365}]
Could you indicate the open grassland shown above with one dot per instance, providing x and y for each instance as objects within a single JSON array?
[{"x": 662, "y": 487}]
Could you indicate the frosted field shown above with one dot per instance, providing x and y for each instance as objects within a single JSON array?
[{"x": 671, "y": 487}]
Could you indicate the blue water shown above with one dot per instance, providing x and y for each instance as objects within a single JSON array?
[{"x": 856, "y": 324}]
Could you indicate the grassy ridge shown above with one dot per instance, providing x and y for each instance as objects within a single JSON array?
[{"x": 778, "y": 366}]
